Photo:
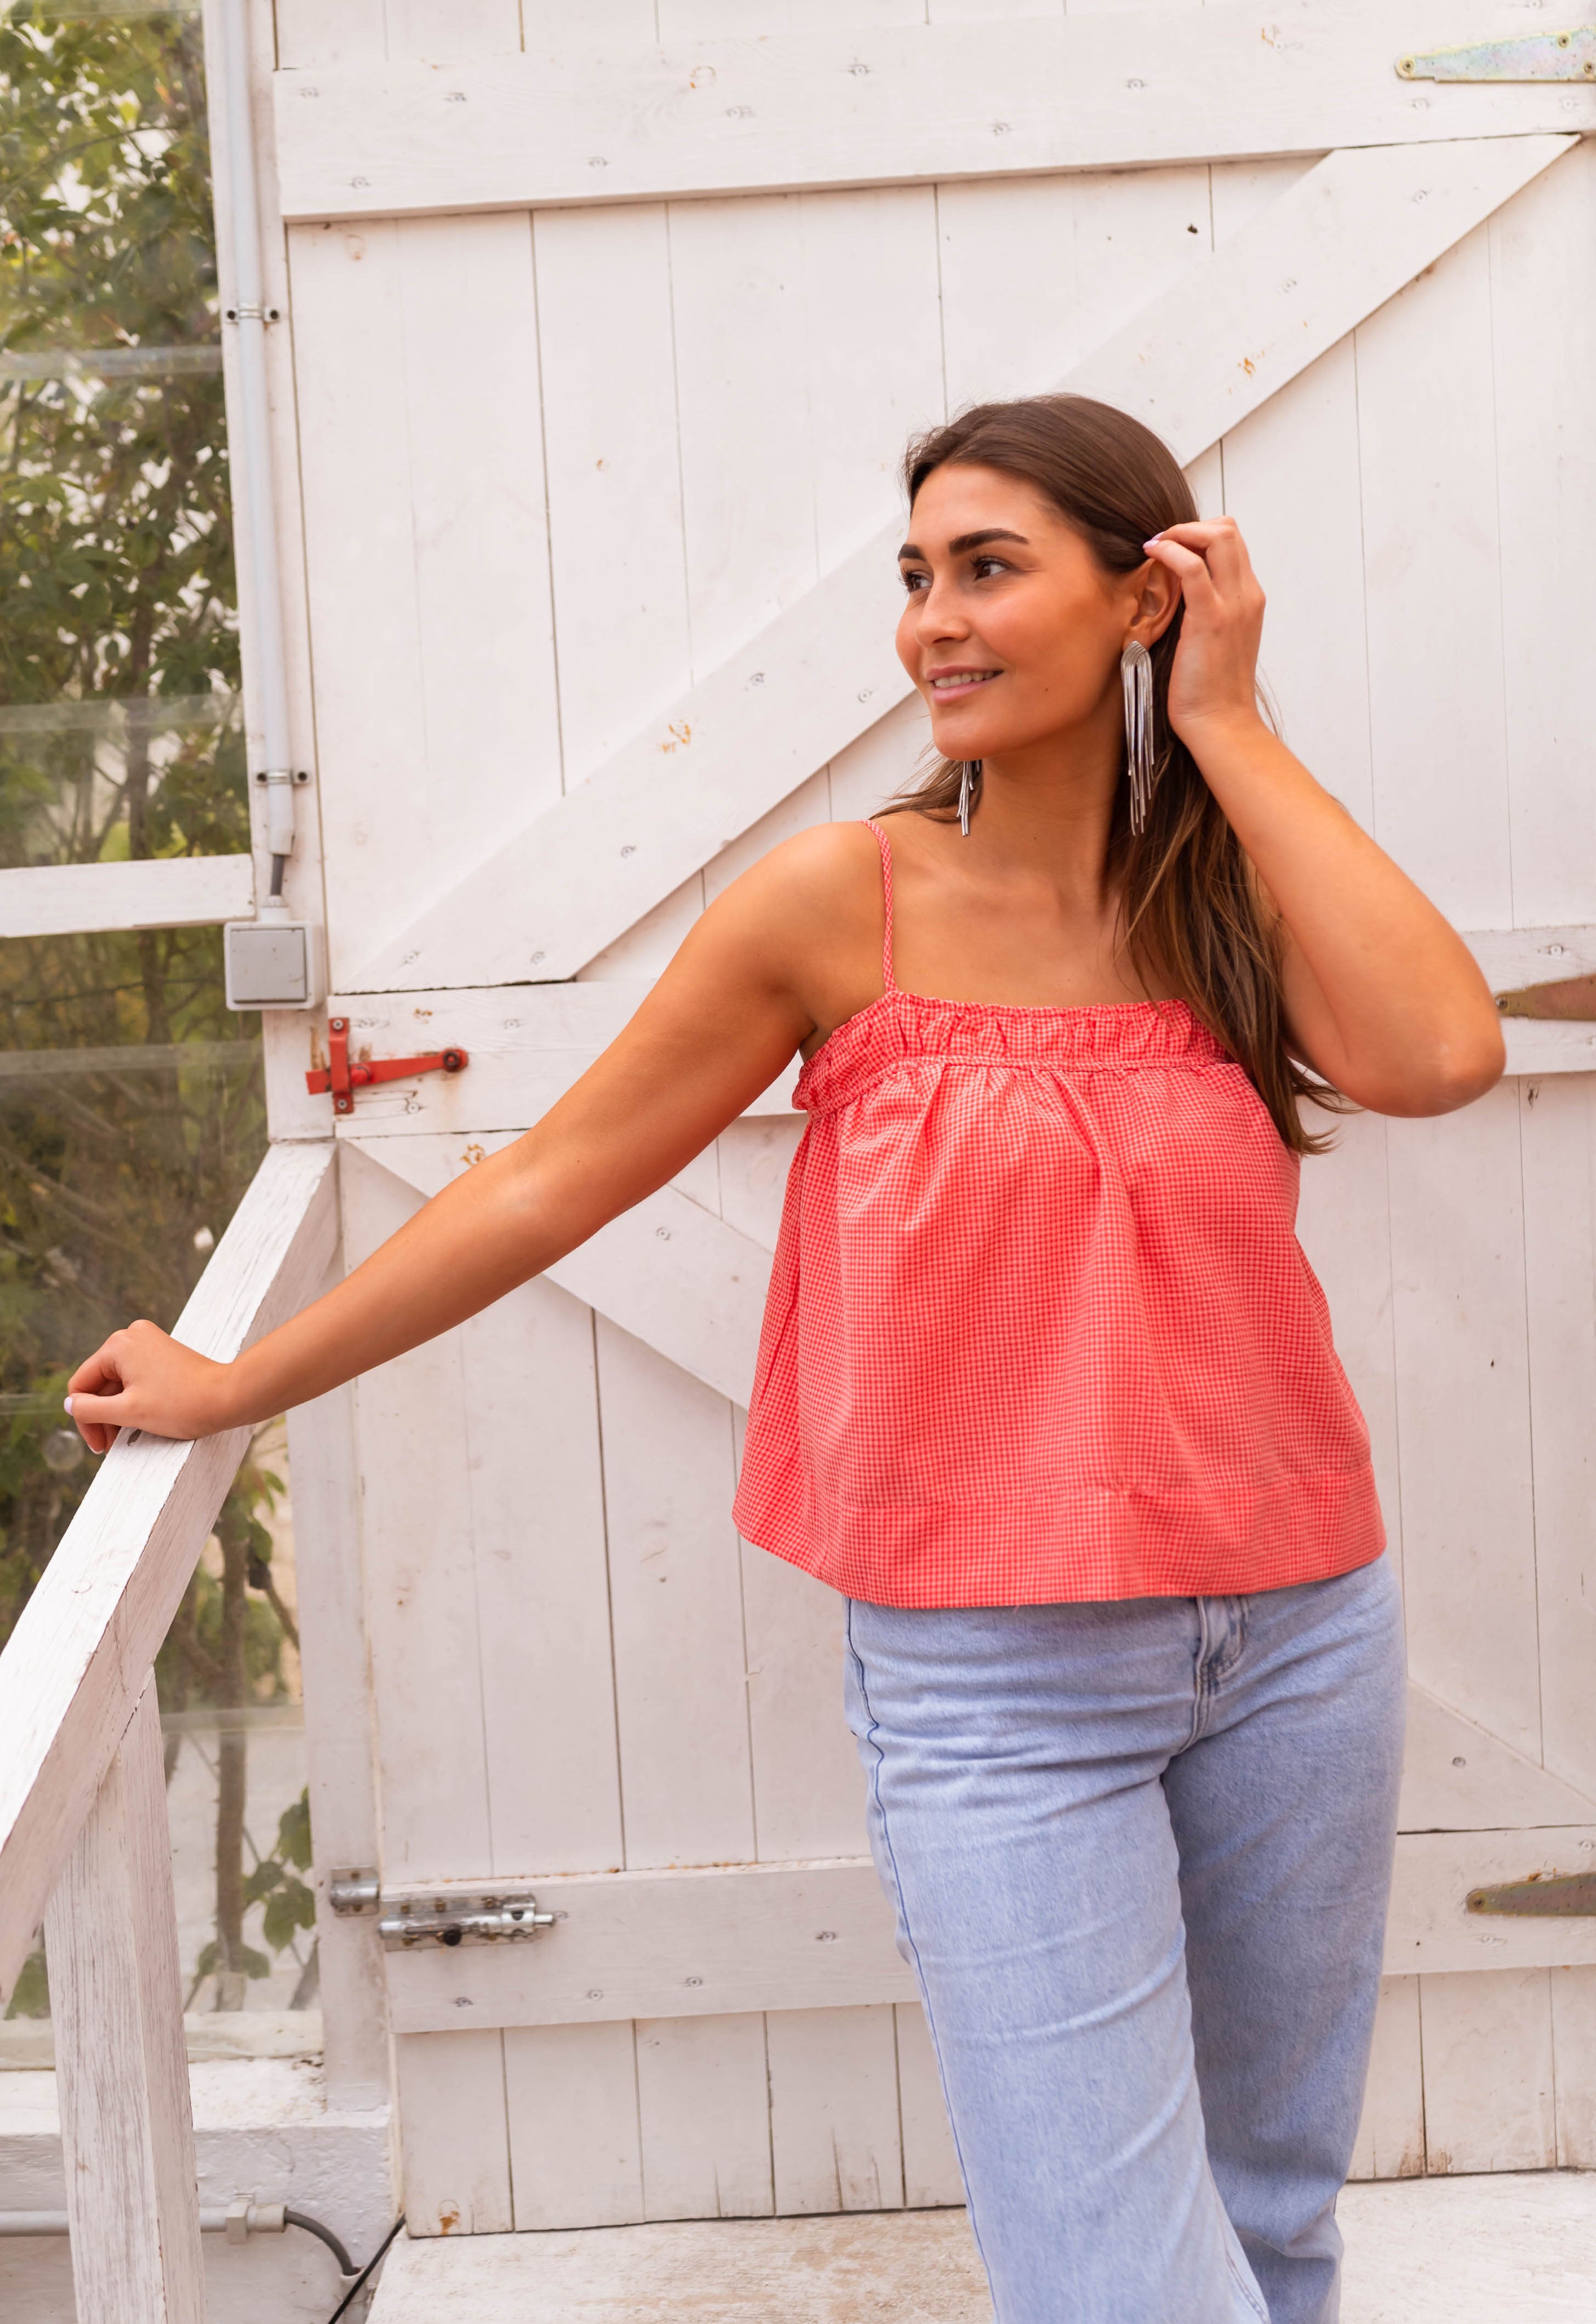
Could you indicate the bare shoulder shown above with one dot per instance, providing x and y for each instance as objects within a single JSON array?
[
  {"x": 804, "y": 923},
  {"x": 821, "y": 885}
]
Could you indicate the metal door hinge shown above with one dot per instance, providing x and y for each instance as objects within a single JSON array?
[
  {"x": 1561, "y": 1895},
  {"x": 507, "y": 1916},
  {"x": 344, "y": 1079},
  {"x": 1544, "y": 56},
  {"x": 1571, "y": 1001}
]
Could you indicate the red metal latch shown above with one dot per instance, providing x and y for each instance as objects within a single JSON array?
[{"x": 344, "y": 1079}]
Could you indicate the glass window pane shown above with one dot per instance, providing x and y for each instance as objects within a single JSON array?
[
  {"x": 119, "y": 725},
  {"x": 132, "y": 1106}
]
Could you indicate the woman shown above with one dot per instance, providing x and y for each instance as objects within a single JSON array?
[{"x": 1047, "y": 1387}]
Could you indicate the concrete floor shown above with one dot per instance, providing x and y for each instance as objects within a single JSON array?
[{"x": 1429, "y": 2251}]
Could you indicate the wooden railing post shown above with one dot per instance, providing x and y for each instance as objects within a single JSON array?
[{"x": 115, "y": 1994}]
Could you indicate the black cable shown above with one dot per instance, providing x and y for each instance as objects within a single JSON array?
[
  {"x": 366, "y": 2270},
  {"x": 315, "y": 2228}
]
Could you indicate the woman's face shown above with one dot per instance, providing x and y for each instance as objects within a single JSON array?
[{"x": 1011, "y": 630}]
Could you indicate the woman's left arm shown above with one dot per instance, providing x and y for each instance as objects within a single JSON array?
[{"x": 1382, "y": 997}]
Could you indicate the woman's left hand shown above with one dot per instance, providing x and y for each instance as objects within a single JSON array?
[{"x": 1214, "y": 679}]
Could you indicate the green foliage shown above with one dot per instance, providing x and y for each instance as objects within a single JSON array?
[
  {"x": 120, "y": 738},
  {"x": 116, "y": 528},
  {"x": 117, "y": 574},
  {"x": 31, "y": 1997}
]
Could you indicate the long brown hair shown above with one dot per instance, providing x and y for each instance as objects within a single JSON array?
[{"x": 1191, "y": 914}]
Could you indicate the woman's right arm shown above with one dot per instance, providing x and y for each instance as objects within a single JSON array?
[{"x": 736, "y": 1001}]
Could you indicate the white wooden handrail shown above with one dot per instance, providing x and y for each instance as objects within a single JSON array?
[{"x": 83, "y": 1836}]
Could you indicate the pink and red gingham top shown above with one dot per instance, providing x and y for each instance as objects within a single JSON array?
[{"x": 1039, "y": 1327}]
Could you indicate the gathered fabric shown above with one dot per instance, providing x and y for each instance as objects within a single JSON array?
[{"x": 1040, "y": 1328}]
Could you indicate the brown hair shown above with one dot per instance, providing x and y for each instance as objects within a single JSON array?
[{"x": 1191, "y": 916}]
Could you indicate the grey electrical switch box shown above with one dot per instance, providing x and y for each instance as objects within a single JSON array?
[{"x": 270, "y": 963}]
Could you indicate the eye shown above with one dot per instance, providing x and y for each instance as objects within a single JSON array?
[
  {"x": 981, "y": 566},
  {"x": 914, "y": 582}
]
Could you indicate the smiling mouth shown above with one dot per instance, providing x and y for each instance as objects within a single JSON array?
[{"x": 963, "y": 681}]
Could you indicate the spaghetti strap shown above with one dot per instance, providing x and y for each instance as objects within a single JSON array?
[{"x": 883, "y": 842}]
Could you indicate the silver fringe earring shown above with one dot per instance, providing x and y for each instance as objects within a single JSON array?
[
  {"x": 969, "y": 776},
  {"x": 1136, "y": 674}
]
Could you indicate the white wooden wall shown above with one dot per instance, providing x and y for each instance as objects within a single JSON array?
[{"x": 555, "y": 468}]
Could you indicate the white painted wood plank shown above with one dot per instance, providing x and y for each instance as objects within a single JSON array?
[
  {"x": 1037, "y": 272},
  {"x": 116, "y": 1998},
  {"x": 423, "y": 1615},
  {"x": 809, "y": 1790},
  {"x": 1468, "y": 1514},
  {"x": 667, "y": 1272},
  {"x": 1512, "y": 958},
  {"x": 453, "y": 2140},
  {"x": 930, "y": 2161},
  {"x": 1344, "y": 1227},
  {"x": 835, "y": 2139},
  {"x": 526, "y": 1046},
  {"x": 185, "y": 891},
  {"x": 76, "y": 1663},
  {"x": 872, "y": 107},
  {"x": 792, "y": 424},
  {"x": 1573, "y": 2057},
  {"x": 609, "y": 413},
  {"x": 416, "y": 352},
  {"x": 1391, "y": 2131},
  {"x": 312, "y": 33},
  {"x": 442, "y": 31},
  {"x": 756, "y": 1161},
  {"x": 680, "y": 1706},
  {"x": 564, "y": 885},
  {"x": 535, "y": 1488},
  {"x": 571, "y": 2095},
  {"x": 1457, "y": 1777},
  {"x": 1557, "y": 1131},
  {"x": 1292, "y": 474},
  {"x": 1429, "y": 1930},
  {"x": 324, "y": 1469},
  {"x": 710, "y": 1941},
  {"x": 1537, "y": 1049},
  {"x": 701, "y": 1943},
  {"x": 1544, "y": 384},
  {"x": 1426, "y": 430},
  {"x": 701, "y": 2088},
  {"x": 1489, "y": 2099}
]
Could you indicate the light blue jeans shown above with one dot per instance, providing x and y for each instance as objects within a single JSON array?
[{"x": 1139, "y": 1855}]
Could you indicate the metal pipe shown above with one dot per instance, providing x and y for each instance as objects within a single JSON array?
[
  {"x": 254, "y": 456},
  {"x": 237, "y": 2222}
]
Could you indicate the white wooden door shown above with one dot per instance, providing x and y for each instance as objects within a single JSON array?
[{"x": 605, "y": 326}]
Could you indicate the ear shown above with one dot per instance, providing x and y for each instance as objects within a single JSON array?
[{"x": 1157, "y": 600}]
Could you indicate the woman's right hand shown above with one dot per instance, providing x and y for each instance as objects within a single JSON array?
[{"x": 143, "y": 1378}]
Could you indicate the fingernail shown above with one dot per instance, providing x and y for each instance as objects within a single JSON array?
[
  {"x": 1153, "y": 543},
  {"x": 67, "y": 1402}
]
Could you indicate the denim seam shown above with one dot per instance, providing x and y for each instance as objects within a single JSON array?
[{"x": 881, "y": 1809}]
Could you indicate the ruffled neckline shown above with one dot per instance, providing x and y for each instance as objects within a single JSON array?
[{"x": 900, "y": 1027}]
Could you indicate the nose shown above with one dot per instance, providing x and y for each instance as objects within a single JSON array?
[{"x": 937, "y": 614}]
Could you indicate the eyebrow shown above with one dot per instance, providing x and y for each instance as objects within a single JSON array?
[{"x": 967, "y": 542}]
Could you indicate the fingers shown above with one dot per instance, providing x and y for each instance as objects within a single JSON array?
[{"x": 98, "y": 1417}]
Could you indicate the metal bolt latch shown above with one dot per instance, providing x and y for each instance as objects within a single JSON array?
[
  {"x": 358, "y": 1890},
  {"x": 463, "y": 1920},
  {"x": 343, "y": 1078}
]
